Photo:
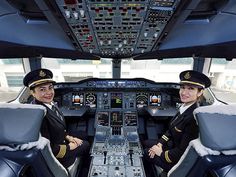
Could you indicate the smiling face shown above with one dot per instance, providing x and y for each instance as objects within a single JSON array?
[
  {"x": 189, "y": 93},
  {"x": 44, "y": 93}
]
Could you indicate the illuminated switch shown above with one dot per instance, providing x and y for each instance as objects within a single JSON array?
[
  {"x": 97, "y": 10},
  {"x": 67, "y": 13},
  {"x": 76, "y": 15},
  {"x": 90, "y": 38},
  {"x": 110, "y": 10},
  {"x": 145, "y": 34},
  {"x": 70, "y": 2},
  {"x": 82, "y": 13},
  {"x": 138, "y": 9}
]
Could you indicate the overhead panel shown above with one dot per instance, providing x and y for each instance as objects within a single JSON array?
[{"x": 117, "y": 28}]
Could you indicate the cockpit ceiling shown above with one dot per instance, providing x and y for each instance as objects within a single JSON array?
[
  {"x": 139, "y": 29},
  {"x": 117, "y": 28}
]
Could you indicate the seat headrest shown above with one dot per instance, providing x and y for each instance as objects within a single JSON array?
[
  {"x": 217, "y": 126},
  {"x": 20, "y": 123}
]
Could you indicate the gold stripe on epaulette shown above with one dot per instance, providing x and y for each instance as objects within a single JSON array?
[
  {"x": 167, "y": 157},
  {"x": 62, "y": 152},
  {"x": 165, "y": 137},
  {"x": 178, "y": 130}
]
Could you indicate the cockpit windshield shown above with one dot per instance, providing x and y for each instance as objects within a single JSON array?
[{"x": 222, "y": 73}]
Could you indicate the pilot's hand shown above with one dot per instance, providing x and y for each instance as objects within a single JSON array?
[
  {"x": 78, "y": 141},
  {"x": 72, "y": 139},
  {"x": 155, "y": 150},
  {"x": 73, "y": 145},
  {"x": 69, "y": 138},
  {"x": 159, "y": 144}
]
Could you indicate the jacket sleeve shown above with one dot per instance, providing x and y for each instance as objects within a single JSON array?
[
  {"x": 190, "y": 132},
  {"x": 165, "y": 138},
  {"x": 59, "y": 150}
]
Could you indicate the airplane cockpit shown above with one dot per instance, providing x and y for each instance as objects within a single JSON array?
[
  {"x": 118, "y": 114},
  {"x": 116, "y": 64}
]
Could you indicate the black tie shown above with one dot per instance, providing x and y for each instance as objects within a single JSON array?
[
  {"x": 54, "y": 109},
  {"x": 175, "y": 118}
]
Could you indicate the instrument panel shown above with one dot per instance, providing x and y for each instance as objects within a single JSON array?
[
  {"x": 115, "y": 100},
  {"x": 118, "y": 108},
  {"x": 123, "y": 94},
  {"x": 116, "y": 118}
]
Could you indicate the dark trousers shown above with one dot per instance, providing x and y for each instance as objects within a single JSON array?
[
  {"x": 81, "y": 151},
  {"x": 150, "y": 162}
]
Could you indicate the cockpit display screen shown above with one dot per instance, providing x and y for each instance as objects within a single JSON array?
[
  {"x": 102, "y": 118},
  {"x": 155, "y": 99},
  {"x": 78, "y": 99},
  {"x": 116, "y": 118},
  {"x": 91, "y": 100},
  {"x": 116, "y": 100},
  {"x": 130, "y": 118},
  {"x": 141, "y": 100}
]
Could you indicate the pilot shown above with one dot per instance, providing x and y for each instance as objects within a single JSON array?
[
  {"x": 183, "y": 128},
  {"x": 65, "y": 146}
]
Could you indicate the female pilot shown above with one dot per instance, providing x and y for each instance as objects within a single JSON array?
[
  {"x": 167, "y": 151},
  {"x": 64, "y": 146}
]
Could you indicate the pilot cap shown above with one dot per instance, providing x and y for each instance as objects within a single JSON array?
[
  {"x": 38, "y": 77},
  {"x": 194, "y": 78}
]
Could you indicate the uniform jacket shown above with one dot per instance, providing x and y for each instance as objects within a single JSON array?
[
  {"x": 54, "y": 128},
  {"x": 182, "y": 129}
]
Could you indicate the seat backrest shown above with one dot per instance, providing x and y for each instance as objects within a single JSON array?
[
  {"x": 20, "y": 132},
  {"x": 216, "y": 137},
  {"x": 20, "y": 123},
  {"x": 217, "y": 126}
]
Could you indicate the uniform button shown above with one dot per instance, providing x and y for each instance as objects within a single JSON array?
[
  {"x": 64, "y": 130},
  {"x": 64, "y": 141}
]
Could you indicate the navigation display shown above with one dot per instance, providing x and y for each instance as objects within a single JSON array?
[
  {"x": 130, "y": 118},
  {"x": 77, "y": 99},
  {"x": 155, "y": 99},
  {"x": 102, "y": 118},
  {"x": 116, "y": 100}
]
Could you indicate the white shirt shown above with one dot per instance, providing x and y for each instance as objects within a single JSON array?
[
  {"x": 183, "y": 107},
  {"x": 49, "y": 105}
]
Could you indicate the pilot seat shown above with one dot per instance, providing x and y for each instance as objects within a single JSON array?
[
  {"x": 213, "y": 154},
  {"x": 23, "y": 152}
]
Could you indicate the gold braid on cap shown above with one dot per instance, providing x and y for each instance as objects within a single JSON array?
[
  {"x": 193, "y": 83},
  {"x": 41, "y": 81}
]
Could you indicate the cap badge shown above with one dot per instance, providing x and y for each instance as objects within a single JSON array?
[
  {"x": 42, "y": 74},
  {"x": 187, "y": 75}
]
